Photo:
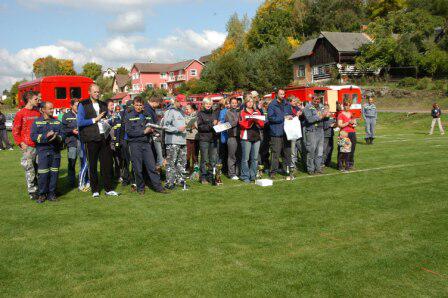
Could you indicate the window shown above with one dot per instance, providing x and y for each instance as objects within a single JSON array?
[
  {"x": 150, "y": 86},
  {"x": 301, "y": 71},
  {"x": 75, "y": 92},
  {"x": 163, "y": 75},
  {"x": 135, "y": 76},
  {"x": 346, "y": 97},
  {"x": 60, "y": 93},
  {"x": 136, "y": 86},
  {"x": 171, "y": 74},
  {"x": 193, "y": 72},
  {"x": 164, "y": 85},
  {"x": 355, "y": 98}
]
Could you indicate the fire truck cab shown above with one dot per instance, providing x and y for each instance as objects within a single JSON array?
[{"x": 57, "y": 89}]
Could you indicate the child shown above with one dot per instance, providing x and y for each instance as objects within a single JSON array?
[{"x": 345, "y": 147}]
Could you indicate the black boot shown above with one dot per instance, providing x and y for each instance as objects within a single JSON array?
[
  {"x": 367, "y": 141},
  {"x": 371, "y": 141}
]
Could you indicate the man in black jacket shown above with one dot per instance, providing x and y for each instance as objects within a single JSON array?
[
  {"x": 93, "y": 132},
  {"x": 4, "y": 133}
]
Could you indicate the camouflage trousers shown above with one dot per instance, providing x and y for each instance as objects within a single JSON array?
[
  {"x": 29, "y": 164},
  {"x": 176, "y": 157}
]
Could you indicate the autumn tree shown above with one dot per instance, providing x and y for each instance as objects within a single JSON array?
[
  {"x": 122, "y": 71},
  {"x": 50, "y": 66}
]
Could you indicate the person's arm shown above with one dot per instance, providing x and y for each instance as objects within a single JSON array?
[
  {"x": 341, "y": 123},
  {"x": 273, "y": 117},
  {"x": 17, "y": 129},
  {"x": 363, "y": 112},
  {"x": 230, "y": 117},
  {"x": 68, "y": 131},
  {"x": 204, "y": 126},
  {"x": 310, "y": 116},
  {"x": 81, "y": 117},
  {"x": 36, "y": 134}
]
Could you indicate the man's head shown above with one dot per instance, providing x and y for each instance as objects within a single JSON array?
[
  {"x": 255, "y": 95},
  {"x": 294, "y": 101},
  {"x": 94, "y": 92},
  {"x": 180, "y": 98},
  {"x": 371, "y": 101},
  {"x": 347, "y": 103},
  {"x": 154, "y": 102},
  {"x": 138, "y": 104},
  {"x": 47, "y": 109},
  {"x": 110, "y": 106},
  {"x": 74, "y": 105},
  {"x": 31, "y": 99},
  {"x": 281, "y": 94},
  {"x": 316, "y": 101}
]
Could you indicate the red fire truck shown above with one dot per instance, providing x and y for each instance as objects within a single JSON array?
[
  {"x": 57, "y": 89},
  {"x": 332, "y": 95}
]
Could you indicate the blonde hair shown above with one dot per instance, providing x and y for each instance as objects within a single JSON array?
[{"x": 249, "y": 98}]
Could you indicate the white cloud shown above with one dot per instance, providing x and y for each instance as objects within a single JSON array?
[
  {"x": 131, "y": 21},
  {"x": 114, "y": 52}
]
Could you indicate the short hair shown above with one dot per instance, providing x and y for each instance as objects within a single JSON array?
[
  {"x": 193, "y": 106},
  {"x": 44, "y": 104},
  {"x": 91, "y": 86},
  {"x": 73, "y": 101},
  {"x": 28, "y": 95},
  {"x": 155, "y": 99},
  {"x": 138, "y": 99},
  {"x": 233, "y": 98},
  {"x": 108, "y": 101}
]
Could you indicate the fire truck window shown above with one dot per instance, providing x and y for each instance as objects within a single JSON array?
[
  {"x": 355, "y": 98},
  {"x": 61, "y": 93},
  {"x": 346, "y": 96},
  {"x": 75, "y": 92}
]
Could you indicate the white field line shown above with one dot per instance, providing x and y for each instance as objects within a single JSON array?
[
  {"x": 406, "y": 165},
  {"x": 412, "y": 140}
]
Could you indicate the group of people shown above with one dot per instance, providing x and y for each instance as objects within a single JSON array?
[{"x": 132, "y": 143}]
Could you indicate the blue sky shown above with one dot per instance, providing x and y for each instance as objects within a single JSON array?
[{"x": 110, "y": 32}]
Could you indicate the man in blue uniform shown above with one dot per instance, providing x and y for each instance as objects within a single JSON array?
[
  {"x": 48, "y": 135},
  {"x": 370, "y": 115},
  {"x": 140, "y": 147},
  {"x": 70, "y": 127}
]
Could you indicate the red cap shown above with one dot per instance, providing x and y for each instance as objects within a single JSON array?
[{"x": 181, "y": 97}]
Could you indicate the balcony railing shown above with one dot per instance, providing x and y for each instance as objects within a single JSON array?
[{"x": 176, "y": 78}]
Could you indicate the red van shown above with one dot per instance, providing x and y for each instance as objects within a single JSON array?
[{"x": 57, "y": 89}]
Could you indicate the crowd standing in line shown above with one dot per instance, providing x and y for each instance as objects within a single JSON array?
[{"x": 132, "y": 143}]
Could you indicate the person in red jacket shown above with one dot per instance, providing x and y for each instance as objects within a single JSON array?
[
  {"x": 21, "y": 131},
  {"x": 250, "y": 134}
]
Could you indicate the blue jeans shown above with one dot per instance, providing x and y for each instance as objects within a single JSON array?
[{"x": 249, "y": 160}]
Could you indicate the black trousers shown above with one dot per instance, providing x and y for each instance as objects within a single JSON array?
[
  {"x": 280, "y": 146},
  {"x": 142, "y": 155},
  {"x": 100, "y": 151},
  {"x": 351, "y": 159},
  {"x": 4, "y": 139},
  {"x": 126, "y": 174}
]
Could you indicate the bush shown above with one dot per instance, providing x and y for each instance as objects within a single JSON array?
[
  {"x": 423, "y": 84},
  {"x": 439, "y": 85},
  {"x": 407, "y": 82}
]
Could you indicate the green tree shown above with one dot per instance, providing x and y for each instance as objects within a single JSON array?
[
  {"x": 14, "y": 91},
  {"x": 381, "y": 8},
  {"x": 92, "y": 70},
  {"x": 122, "y": 71},
  {"x": 435, "y": 62}
]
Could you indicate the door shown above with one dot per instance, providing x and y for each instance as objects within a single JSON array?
[{"x": 332, "y": 100}]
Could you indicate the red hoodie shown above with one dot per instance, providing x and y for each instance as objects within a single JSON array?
[
  {"x": 21, "y": 129},
  {"x": 250, "y": 128}
]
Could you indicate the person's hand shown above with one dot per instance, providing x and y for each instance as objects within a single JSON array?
[
  {"x": 181, "y": 129},
  {"x": 299, "y": 113},
  {"x": 50, "y": 134},
  {"x": 215, "y": 122},
  {"x": 148, "y": 130},
  {"x": 288, "y": 117},
  {"x": 98, "y": 118},
  {"x": 75, "y": 132},
  {"x": 23, "y": 146}
]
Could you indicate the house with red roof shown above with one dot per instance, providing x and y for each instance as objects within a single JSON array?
[{"x": 164, "y": 75}]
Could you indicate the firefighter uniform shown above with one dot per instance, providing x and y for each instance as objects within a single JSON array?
[
  {"x": 48, "y": 155},
  {"x": 141, "y": 150},
  {"x": 314, "y": 132},
  {"x": 73, "y": 145}
]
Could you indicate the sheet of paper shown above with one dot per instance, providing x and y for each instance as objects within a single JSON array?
[
  {"x": 258, "y": 117},
  {"x": 222, "y": 127}
]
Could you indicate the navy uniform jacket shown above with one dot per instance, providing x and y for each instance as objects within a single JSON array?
[
  {"x": 151, "y": 112},
  {"x": 312, "y": 120},
  {"x": 39, "y": 131},
  {"x": 369, "y": 111},
  {"x": 135, "y": 124},
  {"x": 115, "y": 123},
  {"x": 69, "y": 123},
  {"x": 276, "y": 117}
]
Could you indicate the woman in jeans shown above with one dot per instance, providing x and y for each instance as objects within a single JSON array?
[
  {"x": 208, "y": 139},
  {"x": 250, "y": 134},
  {"x": 347, "y": 123}
]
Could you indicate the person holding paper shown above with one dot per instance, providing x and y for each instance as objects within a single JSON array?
[
  {"x": 208, "y": 139},
  {"x": 314, "y": 114},
  {"x": 231, "y": 117},
  {"x": 176, "y": 144},
  {"x": 250, "y": 133},
  {"x": 347, "y": 122},
  {"x": 90, "y": 114},
  {"x": 279, "y": 110}
]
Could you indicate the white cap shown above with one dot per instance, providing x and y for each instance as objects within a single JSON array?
[{"x": 254, "y": 93}]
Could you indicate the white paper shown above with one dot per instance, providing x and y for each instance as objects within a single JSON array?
[
  {"x": 293, "y": 129},
  {"x": 258, "y": 117},
  {"x": 222, "y": 127},
  {"x": 155, "y": 126}
]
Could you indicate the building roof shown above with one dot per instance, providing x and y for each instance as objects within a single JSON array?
[
  {"x": 343, "y": 42},
  {"x": 346, "y": 41},
  {"x": 305, "y": 49},
  {"x": 163, "y": 67},
  {"x": 122, "y": 80},
  {"x": 206, "y": 58}
]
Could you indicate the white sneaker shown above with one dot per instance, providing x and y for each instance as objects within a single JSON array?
[
  {"x": 10, "y": 149},
  {"x": 235, "y": 178},
  {"x": 112, "y": 193},
  {"x": 96, "y": 195}
]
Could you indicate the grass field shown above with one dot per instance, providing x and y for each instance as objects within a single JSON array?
[{"x": 379, "y": 231}]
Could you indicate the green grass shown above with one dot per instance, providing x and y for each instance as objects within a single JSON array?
[{"x": 368, "y": 233}]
